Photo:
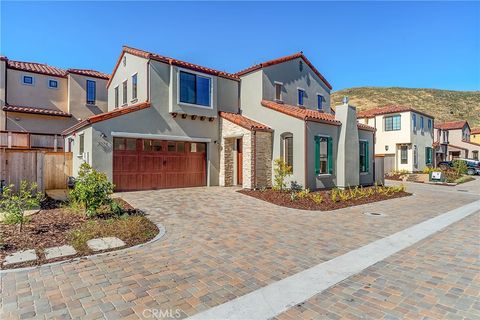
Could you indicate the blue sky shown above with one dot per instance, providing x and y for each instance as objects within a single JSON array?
[{"x": 406, "y": 44}]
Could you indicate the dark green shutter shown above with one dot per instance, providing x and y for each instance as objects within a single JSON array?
[
  {"x": 330, "y": 155},
  {"x": 317, "y": 155},
  {"x": 367, "y": 160},
  {"x": 428, "y": 155}
]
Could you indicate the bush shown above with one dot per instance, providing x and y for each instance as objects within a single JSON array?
[
  {"x": 317, "y": 198},
  {"x": 428, "y": 170},
  {"x": 295, "y": 186},
  {"x": 92, "y": 190},
  {"x": 460, "y": 166},
  {"x": 281, "y": 171},
  {"x": 14, "y": 204}
]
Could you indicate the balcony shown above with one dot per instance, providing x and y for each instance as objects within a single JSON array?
[{"x": 29, "y": 140}]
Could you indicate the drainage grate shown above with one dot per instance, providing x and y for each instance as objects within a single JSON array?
[{"x": 374, "y": 214}]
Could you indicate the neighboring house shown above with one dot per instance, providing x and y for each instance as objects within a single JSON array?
[
  {"x": 171, "y": 123},
  {"x": 38, "y": 98},
  {"x": 453, "y": 141},
  {"x": 404, "y": 137},
  {"x": 475, "y": 135}
]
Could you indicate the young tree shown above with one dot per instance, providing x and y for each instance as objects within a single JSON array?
[{"x": 14, "y": 204}]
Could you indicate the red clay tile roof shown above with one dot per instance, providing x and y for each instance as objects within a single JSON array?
[
  {"x": 244, "y": 121},
  {"x": 474, "y": 143},
  {"x": 475, "y": 131},
  {"x": 107, "y": 115},
  {"x": 36, "y": 68},
  {"x": 435, "y": 144},
  {"x": 457, "y": 147},
  {"x": 171, "y": 61},
  {"x": 388, "y": 109},
  {"x": 302, "y": 113},
  {"x": 3, "y": 58},
  {"x": 363, "y": 126},
  {"x": 90, "y": 73},
  {"x": 42, "y": 68},
  {"x": 285, "y": 59},
  {"x": 36, "y": 110},
  {"x": 452, "y": 125}
]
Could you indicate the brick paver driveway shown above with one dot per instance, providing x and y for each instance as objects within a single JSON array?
[{"x": 219, "y": 245}]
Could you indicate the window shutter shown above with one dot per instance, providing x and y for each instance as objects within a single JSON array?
[
  {"x": 367, "y": 160},
  {"x": 330, "y": 155},
  {"x": 317, "y": 155}
]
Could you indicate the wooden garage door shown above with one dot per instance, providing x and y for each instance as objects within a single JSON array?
[{"x": 140, "y": 164}]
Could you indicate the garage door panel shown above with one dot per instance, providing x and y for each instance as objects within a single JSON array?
[{"x": 157, "y": 168}]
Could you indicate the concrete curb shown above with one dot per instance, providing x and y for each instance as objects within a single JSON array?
[{"x": 161, "y": 233}]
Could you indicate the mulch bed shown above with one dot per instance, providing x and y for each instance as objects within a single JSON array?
[
  {"x": 50, "y": 228},
  {"x": 283, "y": 199}
]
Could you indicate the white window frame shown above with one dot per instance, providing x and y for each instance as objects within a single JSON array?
[
  {"x": 303, "y": 98},
  {"x": 81, "y": 137},
  {"x": 134, "y": 99},
  {"x": 48, "y": 84},
  {"x": 367, "y": 157},
  {"x": 201, "y": 75},
  {"x": 27, "y": 84},
  {"x": 124, "y": 93},
  {"x": 116, "y": 97},
  {"x": 281, "y": 90},
  {"x": 323, "y": 100}
]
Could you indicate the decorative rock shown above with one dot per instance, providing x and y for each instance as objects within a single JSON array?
[
  {"x": 105, "y": 243},
  {"x": 63, "y": 251},
  {"x": 21, "y": 256}
]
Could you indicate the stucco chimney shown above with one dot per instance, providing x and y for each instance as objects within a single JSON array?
[{"x": 348, "y": 162}]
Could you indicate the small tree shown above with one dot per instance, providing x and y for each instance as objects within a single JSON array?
[
  {"x": 92, "y": 190},
  {"x": 281, "y": 171},
  {"x": 14, "y": 204}
]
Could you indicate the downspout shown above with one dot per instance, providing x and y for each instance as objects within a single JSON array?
[
  {"x": 254, "y": 160},
  {"x": 305, "y": 153},
  {"x": 6, "y": 91}
]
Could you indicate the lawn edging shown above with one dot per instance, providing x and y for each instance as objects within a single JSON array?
[{"x": 161, "y": 233}]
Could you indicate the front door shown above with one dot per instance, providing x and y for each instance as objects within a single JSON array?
[{"x": 239, "y": 162}]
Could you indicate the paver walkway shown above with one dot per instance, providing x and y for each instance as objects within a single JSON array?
[
  {"x": 219, "y": 245},
  {"x": 438, "y": 278}
]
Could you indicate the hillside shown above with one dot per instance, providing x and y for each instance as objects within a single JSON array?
[{"x": 444, "y": 105}]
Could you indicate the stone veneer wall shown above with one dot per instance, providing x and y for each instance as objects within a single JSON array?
[{"x": 229, "y": 133}]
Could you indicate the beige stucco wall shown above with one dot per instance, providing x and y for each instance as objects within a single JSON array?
[
  {"x": 292, "y": 78},
  {"x": 87, "y": 156},
  {"x": 38, "y": 123},
  {"x": 2, "y": 93},
  {"x": 455, "y": 137},
  {"x": 77, "y": 96},
  {"x": 133, "y": 65},
  {"x": 37, "y": 95}
]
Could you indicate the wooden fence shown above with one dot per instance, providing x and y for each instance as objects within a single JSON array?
[
  {"x": 29, "y": 140},
  {"x": 48, "y": 169}
]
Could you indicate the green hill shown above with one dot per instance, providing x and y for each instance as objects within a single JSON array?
[{"x": 444, "y": 105}]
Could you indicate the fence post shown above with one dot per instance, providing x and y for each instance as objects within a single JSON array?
[
  {"x": 55, "y": 143},
  {"x": 40, "y": 173},
  {"x": 9, "y": 140}
]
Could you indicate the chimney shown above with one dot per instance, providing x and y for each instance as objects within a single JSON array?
[{"x": 348, "y": 161}]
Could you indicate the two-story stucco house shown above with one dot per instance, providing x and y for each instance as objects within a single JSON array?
[
  {"x": 38, "y": 98},
  {"x": 453, "y": 141},
  {"x": 404, "y": 137},
  {"x": 171, "y": 123},
  {"x": 475, "y": 135}
]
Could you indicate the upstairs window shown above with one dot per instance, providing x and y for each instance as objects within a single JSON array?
[
  {"x": 392, "y": 123},
  {"x": 301, "y": 95},
  {"x": 323, "y": 155},
  {"x": 286, "y": 148},
  {"x": 414, "y": 122},
  {"x": 278, "y": 91},
  {"x": 116, "y": 97},
  {"x": 429, "y": 124},
  {"x": 91, "y": 92},
  {"x": 134, "y": 86},
  {"x": 52, "y": 84},
  {"x": 81, "y": 144},
  {"x": 364, "y": 156},
  {"x": 124, "y": 100},
  {"x": 28, "y": 80},
  {"x": 195, "y": 89},
  {"x": 320, "y": 100},
  {"x": 421, "y": 124}
]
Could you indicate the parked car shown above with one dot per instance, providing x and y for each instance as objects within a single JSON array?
[{"x": 473, "y": 166}]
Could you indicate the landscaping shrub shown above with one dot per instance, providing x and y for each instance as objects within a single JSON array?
[
  {"x": 295, "y": 186},
  {"x": 92, "y": 190},
  {"x": 317, "y": 198},
  {"x": 281, "y": 171},
  {"x": 14, "y": 204},
  {"x": 460, "y": 166},
  {"x": 428, "y": 170}
]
